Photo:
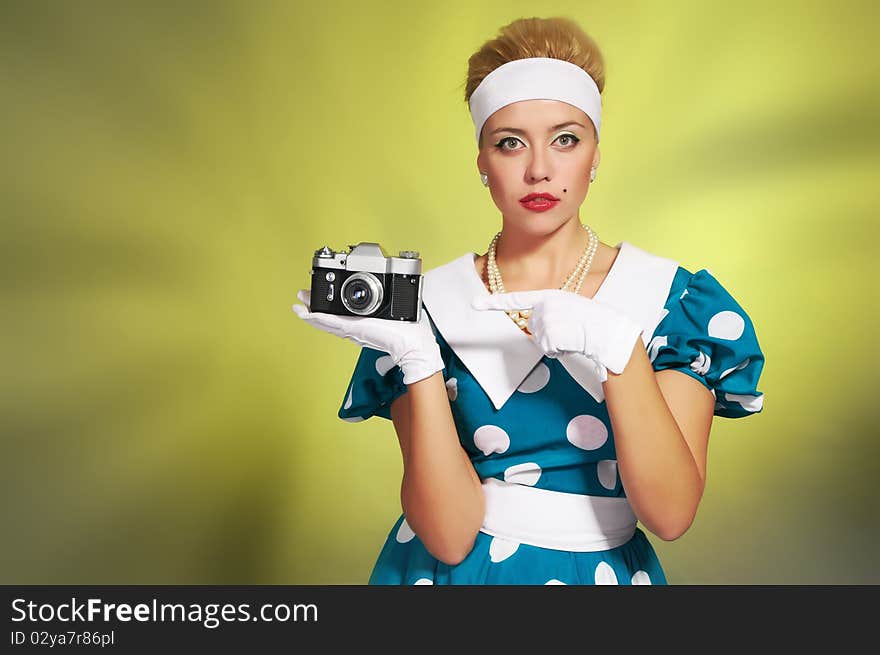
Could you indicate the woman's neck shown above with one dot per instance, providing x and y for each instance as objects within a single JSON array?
[{"x": 540, "y": 262}]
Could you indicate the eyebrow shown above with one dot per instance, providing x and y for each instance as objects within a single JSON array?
[{"x": 516, "y": 131}]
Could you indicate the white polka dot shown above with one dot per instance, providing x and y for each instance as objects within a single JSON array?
[
  {"x": 701, "y": 363},
  {"x": 536, "y": 380},
  {"x": 587, "y": 432},
  {"x": 641, "y": 577},
  {"x": 354, "y": 419},
  {"x": 500, "y": 549},
  {"x": 452, "y": 388},
  {"x": 404, "y": 532},
  {"x": 526, "y": 474},
  {"x": 424, "y": 581},
  {"x": 554, "y": 581},
  {"x": 607, "y": 471},
  {"x": 654, "y": 347},
  {"x": 739, "y": 366},
  {"x": 348, "y": 400},
  {"x": 491, "y": 439},
  {"x": 605, "y": 574},
  {"x": 384, "y": 364},
  {"x": 748, "y": 402},
  {"x": 726, "y": 325}
]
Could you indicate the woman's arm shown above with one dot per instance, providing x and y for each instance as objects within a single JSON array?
[
  {"x": 661, "y": 421},
  {"x": 661, "y": 424},
  {"x": 441, "y": 494}
]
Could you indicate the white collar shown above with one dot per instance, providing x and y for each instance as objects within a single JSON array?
[{"x": 500, "y": 356}]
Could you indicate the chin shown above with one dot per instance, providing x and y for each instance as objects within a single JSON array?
[{"x": 541, "y": 224}]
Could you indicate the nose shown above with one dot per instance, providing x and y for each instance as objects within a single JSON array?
[{"x": 539, "y": 167}]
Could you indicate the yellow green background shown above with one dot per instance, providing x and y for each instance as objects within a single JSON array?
[{"x": 169, "y": 169}]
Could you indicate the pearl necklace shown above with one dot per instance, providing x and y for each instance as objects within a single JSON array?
[{"x": 573, "y": 283}]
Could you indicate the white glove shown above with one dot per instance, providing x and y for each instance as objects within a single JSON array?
[
  {"x": 562, "y": 322},
  {"x": 412, "y": 346}
]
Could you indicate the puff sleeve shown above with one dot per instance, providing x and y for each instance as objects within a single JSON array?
[
  {"x": 375, "y": 383},
  {"x": 706, "y": 334}
]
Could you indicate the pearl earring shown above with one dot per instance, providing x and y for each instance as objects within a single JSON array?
[
  {"x": 592, "y": 174},
  {"x": 484, "y": 178}
]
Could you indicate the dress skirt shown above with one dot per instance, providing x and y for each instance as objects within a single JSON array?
[{"x": 404, "y": 560}]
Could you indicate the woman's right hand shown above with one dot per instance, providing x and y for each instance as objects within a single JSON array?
[{"x": 412, "y": 346}]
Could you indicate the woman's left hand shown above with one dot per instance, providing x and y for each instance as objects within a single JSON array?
[{"x": 563, "y": 322}]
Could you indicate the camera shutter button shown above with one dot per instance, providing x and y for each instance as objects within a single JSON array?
[{"x": 409, "y": 254}]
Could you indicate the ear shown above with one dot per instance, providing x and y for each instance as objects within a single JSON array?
[
  {"x": 597, "y": 157},
  {"x": 480, "y": 160}
]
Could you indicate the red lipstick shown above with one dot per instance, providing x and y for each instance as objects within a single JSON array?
[{"x": 539, "y": 202}]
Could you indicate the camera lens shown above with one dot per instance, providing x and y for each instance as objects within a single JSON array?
[{"x": 361, "y": 293}]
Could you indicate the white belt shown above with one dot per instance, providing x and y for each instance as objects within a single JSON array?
[{"x": 556, "y": 519}]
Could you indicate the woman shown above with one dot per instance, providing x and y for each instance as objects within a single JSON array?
[{"x": 557, "y": 390}]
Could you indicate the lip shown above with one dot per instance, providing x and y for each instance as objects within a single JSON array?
[
  {"x": 539, "y": 202},
  {"x": 533, "y": 196}
]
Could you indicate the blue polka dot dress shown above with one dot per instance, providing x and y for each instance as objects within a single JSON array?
[{"x": 543, "y": 423}]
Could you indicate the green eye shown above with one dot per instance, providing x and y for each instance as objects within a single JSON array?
[
  {"x": 500, "y": 144},
  {"x": 574, "y": 140}
]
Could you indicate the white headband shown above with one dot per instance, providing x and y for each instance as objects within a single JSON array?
[{"x": 535, "y": 78}]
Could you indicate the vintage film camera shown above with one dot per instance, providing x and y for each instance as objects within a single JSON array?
[{"x": 366, "y": 282}]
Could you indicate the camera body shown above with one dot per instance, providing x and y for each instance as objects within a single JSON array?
[{"x": 366, "y": 282}]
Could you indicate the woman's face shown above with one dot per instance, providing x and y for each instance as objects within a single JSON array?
[{"x": 538, "y": 146}]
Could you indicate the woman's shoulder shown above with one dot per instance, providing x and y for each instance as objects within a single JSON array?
[
  {"x": 701, "y": 285},
  {"x": 683, "y": 279}
]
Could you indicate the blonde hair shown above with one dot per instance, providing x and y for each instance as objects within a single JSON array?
[{"x": 557, "y": 37}]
